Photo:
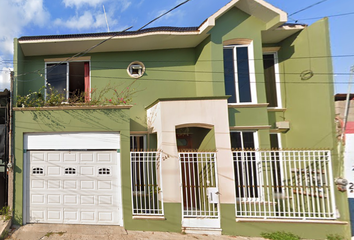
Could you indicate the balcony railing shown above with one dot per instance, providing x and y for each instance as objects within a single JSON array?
[
  {"x": 284, "y": 184},
  {"x": 147, "y": 197}
]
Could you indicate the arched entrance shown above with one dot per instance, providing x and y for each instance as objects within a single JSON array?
[{"x": 199, "y": 188}]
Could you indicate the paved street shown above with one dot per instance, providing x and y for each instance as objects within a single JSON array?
[{"x": 91, "y": 232}]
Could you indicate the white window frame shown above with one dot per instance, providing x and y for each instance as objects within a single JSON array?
[
  {"x": 67, "y": 76},
  {"x": 277, "y": 80},
  {"x": 136, "y": 65},
  {"x": 260, "y": 197},
  {"x": 280, "y": 146},
  {"x": 252, "y": 75}
]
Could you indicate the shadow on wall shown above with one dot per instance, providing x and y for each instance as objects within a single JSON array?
[{"x": 83, "y": 119}]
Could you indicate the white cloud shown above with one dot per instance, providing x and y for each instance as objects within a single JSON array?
[
  {"x": 87, "y": 21},
  {"x": 15, "y": 16},
  {"x": 4, "y": 75},
  {"x": 5, "y": 78},
  {"x": 123, "y": 4},
  {"x": 80, "y": 3}
]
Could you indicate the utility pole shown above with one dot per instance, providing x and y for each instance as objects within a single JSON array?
[{"x": 346, "y": 113}]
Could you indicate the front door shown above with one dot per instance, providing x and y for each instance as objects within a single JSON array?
[{"x": 200, "y": 206}]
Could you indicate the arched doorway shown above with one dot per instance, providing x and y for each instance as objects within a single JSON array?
[{"x": 197, "y": 156}]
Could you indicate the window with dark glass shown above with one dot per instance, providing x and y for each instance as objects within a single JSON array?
[
  {"x": 71, "y": 79},
  {"x": 104, "y": 171},
  {"x": 270, "y": 79},
  {"x": 37, "y": 170},
  {"x": 246, "y": 166},
  {"x": 70, "y": 171},
  {"x": 276, "y": 164},
  {"x": 137, "y": 142},
  {"x": 237, "y": 74}
]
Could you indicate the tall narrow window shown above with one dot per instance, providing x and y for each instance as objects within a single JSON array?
[
  {"x": 239, "y": 74},
  {"x": 137, "y": 142},
  {"x": 271, "y": 78},
  {"x": 57, "y": 76},
  {"x": 247, "y": 168},
  {"x": 276, "y": 164},
  {"x": 69, "y": 78}
]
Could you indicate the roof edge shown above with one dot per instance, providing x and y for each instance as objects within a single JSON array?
[{"x": 210, "y": 22}]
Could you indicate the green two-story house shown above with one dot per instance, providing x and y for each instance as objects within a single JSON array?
[{"x": 225, "y": 128}]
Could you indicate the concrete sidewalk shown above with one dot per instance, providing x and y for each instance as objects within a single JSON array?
[{"x": 94, "y": 232}]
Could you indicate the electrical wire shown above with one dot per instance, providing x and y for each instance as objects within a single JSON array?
[
  {"x": 80, "y": 54},
  {"x": 210, "y": 60},
  {"x": 329, "y": 16},
  {"x": 164, "y": 14},
  {"x": 303, "y": 9}
]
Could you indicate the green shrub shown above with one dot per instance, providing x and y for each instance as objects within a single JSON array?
[
  {"x": 334, "y": 237},
  {"x": 280, "y": 236},
  {"x": 5, "y": 211}
]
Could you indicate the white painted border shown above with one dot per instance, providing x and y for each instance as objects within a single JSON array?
[
  {"x": 251, "y": 69},
  {"x": 69, "y": 141}
]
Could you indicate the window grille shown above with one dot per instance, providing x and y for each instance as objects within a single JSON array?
[
  {"x": 147, "y": 197},
  {"x": 284, "y": 184}
]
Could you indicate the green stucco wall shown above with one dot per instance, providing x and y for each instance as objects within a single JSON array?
[
  {"x": 309, "y": 103},
  {"x": 198, "y": 72}
]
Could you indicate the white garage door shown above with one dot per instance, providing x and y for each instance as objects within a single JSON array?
[{"x": 77, "y": 187}]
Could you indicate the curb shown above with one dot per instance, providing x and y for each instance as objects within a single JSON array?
[{"x": 5, "y": 226}]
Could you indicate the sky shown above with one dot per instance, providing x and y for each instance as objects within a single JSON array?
[{"x": 47, "y": 17}]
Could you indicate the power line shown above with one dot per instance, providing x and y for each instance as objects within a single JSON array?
[
  {"x": 301, "y": 10},
  {"x": 77, "y": 55},
  {"x": 184, "y": 80},
  {"x": 80, "y": 54},
  {"x": 164, "y": 14},
  {"x": 210, "y": 60},
  {"x": 334, "y": 15}
]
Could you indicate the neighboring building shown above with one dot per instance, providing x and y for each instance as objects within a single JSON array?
[
  {"x": 213, "y": 100},
  {"x": 346, "y": 137},
  {"x": 340, "y": 106},
  {"x": 4, "y": 144}
]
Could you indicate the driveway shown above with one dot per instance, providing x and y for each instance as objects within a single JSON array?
[{"x": 94, "y": 232}]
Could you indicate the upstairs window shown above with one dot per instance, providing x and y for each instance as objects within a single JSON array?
[
  {"x": 69, "y": 78},
  {"x": 271, "y": 78},
  {"x": 239, "y": 74}
]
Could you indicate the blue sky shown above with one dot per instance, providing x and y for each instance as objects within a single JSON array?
[{"x": 45, "y": 17}]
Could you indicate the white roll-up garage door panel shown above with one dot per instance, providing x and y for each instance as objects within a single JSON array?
[{"x": 78, "y": 187}]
